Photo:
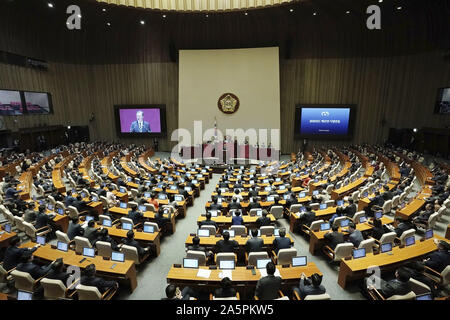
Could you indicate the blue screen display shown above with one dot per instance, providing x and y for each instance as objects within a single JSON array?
[{"x": 325, "y": 121}]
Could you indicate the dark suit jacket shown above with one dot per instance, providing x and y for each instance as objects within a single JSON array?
[
  {"x": 134, "y": 243},
  {"x": 237, "y": 220},
  {"x": 438, "y": 260},
  {"x": 136, "y": 216},
  {"x": 215, "y": 206},
  {"x": 350, "y": 210},
  {"x": 209, "y": 223},
  {"x": 281, "y": 243},
  {"x": 135, "y": 126},
  {"x": 101, "y": 284},
  {"x": 63, "y": 276},
  {"x": 91, "y": 234},
  {"x": 225, "y": 293},
  {"x": 254, "y": 205},
  {"x": 267, "y": 287},
  {"x": 34, "y": 270},
  {"x": 394, "y": 287},
  {"x": 334, "y": 238},
  {"x": 13, "y": 255},
  {"x": 309, "y": 289},
  {"x": 226, "y": 246},
  {"x": 254, "y": 245},
  {"x": 42, "y": 220},
  {"x": 197, "y": 248},
  {"x": 308, "y": 217},
  {"x": 80, "y": 205},
  {"x": 74, "y": 230},
  {"x": 234, "y": 205},
  {"x": 263, "y": 221}
]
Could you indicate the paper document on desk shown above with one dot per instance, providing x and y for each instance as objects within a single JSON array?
[
  {"x": 225, "y": 274},
  {"x": 263, "y": 273},
  {"x": 203, "y": 273}
]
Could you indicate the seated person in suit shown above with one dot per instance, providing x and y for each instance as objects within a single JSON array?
[
  {"x": 130, "y": 241},
  {"x": 226, "y": 245},
  {"x": 196, "y": 247},
  {"x": 334, "y": 237},
  {"x": 237, "y": 219},
  {"x": 30, "y": 215},
  {"x": 208, "y": 221},
  {"x": 174, "y": 293},
  {"x": 43, "y": 219},
  {"x": 234, "y": 204},
  {"x": 378, "y": 229},
  {"x": 27, "y": 265},
  {"x": 103, "y": 235},
  {"x": 89, "y": 279},
  {"x": 340, "y": 211},
  {"x": 417, "y": 269},
  {"x": 387, "y": 195},
  {"x": 57, "y": 272},
  {"x": 80, "y": 204},
  {"x": 153, "y": 200},
  {"x": 398, "y": 286},
  {"x": 355, "y": 235},
  {"x": 90, "y": 232},
  {"x": 254, "y": 204},
  {"x": 135, "y": 215},
  {"x": 254, "y": 244},
  {"x": 13, "y": 253},
  {"x": 275, "y": 204},
  {"x": 264, "y": 220},
  {"x": 350, "y": 210},
  {"x": 214, "y": 205},
  {"x": 281, "y": 242},
  {"x": 425, "y": 214},
  {"x": 75, "y": 229},
  {"x": 440, "y": 259},
  {"x": 268, "y": 286},
  {"x": 252, "y": 193},
  {"x": 402, "y": 226},
  {"x": 226, "y": 290},
  {"x": 307, "y": 217},
  {"x": 161, "y": 220},
  {"x": 310, "y": 286},
  {"x": 237, "y": 194}
]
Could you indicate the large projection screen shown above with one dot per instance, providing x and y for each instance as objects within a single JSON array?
[{"x": 251, "y": 74}]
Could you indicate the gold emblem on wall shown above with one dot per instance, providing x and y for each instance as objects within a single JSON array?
[{"x": 228, "y": 103}]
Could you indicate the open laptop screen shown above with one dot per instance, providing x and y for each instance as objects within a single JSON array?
[
  {"x": 190, "y": 263},
  {"x": 89, "y": 252},
  {"x": 261, "y": 263},
  {"x": 359, "y": 253},
  {"x": 226, "y": 264},
  {"x": 299, "y": 261},
  {"x": 117, "y": 256}
]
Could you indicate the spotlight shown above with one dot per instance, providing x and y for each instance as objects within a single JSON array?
[
  {"x": 315, "y": 14},
  {"x": 142, "y": 22},
  {"x": 415, "y": 130},
  {"x": 291, "y": 10},
  {"x": 50, "y": 5}
]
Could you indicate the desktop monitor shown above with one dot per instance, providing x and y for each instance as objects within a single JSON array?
[
  {"x": 149, "y": 229},
  {"x": 190, "y": 263},
  {"x": 261, "y": 263},
  {"x": 117, "y": 256},
  {"x": 8, "y": 228},
  {"x": 213, "y": 213},
  {"x": 62, "y": 246},
  {"x": 324, "y": 226},
  {"x": 344, "y": 223},
  {"x": 107, "y": 223},
  {"x": 142, "y": 208},
  {"x": 60, "y": 211},
  {"x": 40, "y": 240},
  {"x": 286, "y": 196},
  {"x": 123, "y": 205},
  {"x": 323, "y": 206},
  {"x": 226, "y": 264},
  {"x": 359, "y": 253},
  {"x": 429, "y": 234},
  {"x": 188, "y": 189},
  {"x": 315, "y": 192},
  {"x": 89, "y": 252},
  {"x": 24, "y": 295},
  {"x": 386, "y": 247},
  {"x": 378, "y": 214},
  {"x": 127, "y": 226},
  {"x": 410, "y": 241},
  {"x": 178, "y": 198},
  {"x": 203, "y": 232},
  {"x": 299, "y": 261}
]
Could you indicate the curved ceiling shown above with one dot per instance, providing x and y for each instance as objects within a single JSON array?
[{"x": 199, "y": 5}]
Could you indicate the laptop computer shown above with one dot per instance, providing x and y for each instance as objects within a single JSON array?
[
  {"x": 302, "y": 195},
  {"x": 429, "y": 234},
  {"x": 386, "y": 247},
  {"x": 340, "y": 202},
  {"x": 378, "y": 214},
  {"x": 188, "y": 189},
  {"x": 162, "y": 196},
  {"x": 24, "y": 295},
  {"x": 94, "y": 198},
  {"x": 276, "y": 232},
  {"x": 190, "y": 263},
  {"x": 324, "y": 226},
  {"x": 365, "y": 194},
  {"x": 359, "y": 253},
  {"x": 362, "y": 219},
  {"x": 270, "y": 198},
  {"x": 344, "y": 223},
  {"x": 425, "y": 296},
  {"x": 83, "y": 195},
  {"x": 40, "y": 240},
  {"x": 410, "y": 241},
  {"x": 261, "y": 263},
  {"x": 231, "y": 233},
  {"x": 149, "y": 229},
  {"x": 315, "y": 192},
  {"x": 7, "y": 228},
  {"x": 226, "y": 265},
  {"x": 173, "y": 188},
  {"x": 127, "y": 226},
  {"x": 60, "y": 211},
  {"x": 203, "y": 232},
  {"x": 142, "y": 208},
  {"x": 268, "y": 188},
  {"x": 123, "y": 190},
  {"x": 107, "y": 223},
  {"x": 117, "y": 256},
  {"x": 178, "y": 198},
  {"x": 123, "y": 205},
  {"x": 299, "y": 261},
  {"x": 283, "y": 187},
  {"x": 322, "y": 206},
  {"x": 50, "y": 206},
  {"x": 259, "y": 212},
  {"x": 147, "y": 194},
  {"x": 89, "y": 252},
  {"x": 89, "y": 218},
  {"x": 62, "y": 246}
]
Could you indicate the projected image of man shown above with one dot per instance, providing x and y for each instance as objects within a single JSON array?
[{"x": 140, "y": 125}]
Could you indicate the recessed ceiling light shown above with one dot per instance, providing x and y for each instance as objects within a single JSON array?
[
  {"x": 79, "y": 16},
  {"x": 380, "y": 1},
  {"x": 142, "y": 22},
  {"x": 399, "y": 8},
  {"x": 108, "y": 23},
  {"x": 246, "y": 13},
  {"x": 164, "y": 15},
  {"x": 347, "y": 12},
  {"x": 291, "y": 10},
  {"x": 315, "y": 14},
  {"x": 103, "y": 9},
  {"x": 50, "y": 5},
  {"x": 207, "y": 16}
]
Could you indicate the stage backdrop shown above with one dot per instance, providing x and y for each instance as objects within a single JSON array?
[{"x": 251, "y": 74}]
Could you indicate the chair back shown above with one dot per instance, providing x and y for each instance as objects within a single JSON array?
[
  {"x": 315, "y": 206},
  {"x": 19, "y": 223},
  {"x": 387, "y": 206},
  {"x": 419, "y": 287},
  {"x": 80, "y": 243},
  {"x": 337, "y": 221},
  {"x": 329, "y": 203},
  {"x": 395, "y": 201},
  {"x": 102, "y": 218},
  {"x": 358, "y": 216},
  {"x": 30, "y": 230},
  {"x": 343, "y": 250},
  {"x": 265, "y": 230},
  {"x": 154, "y": 224},
  {"x": 73, "y": 212},
  {"x": 126, "y": 220},
  {"x": 51, "y": 200},
  {"x": 199, "y": 255},
  {"x": 254, "y": 256},
  {"x": 445, "y": 276},
  {"x": 23, "y": 280},
  {"x": 285, "y": 256},
  {"x": 295, "y": 208},
  {"x": 212, "y": 229},
  {"x": 103, "y": 248},
  {"x": 130, "y": 253},
  {"x": 367, "y": 244},
  {"x": 150, "y": 207},
  {"x": 315, "y": 225},
  {"x": 409, "y": 296},
  {"x": 53, "y": 289},
  {"x": 239, "y": 230},
  {"x": 388, "y": 238},
  {"x": 406, "y": 234},
  {"x": 225, "y": 256},
  {"x": 277, "y": 211},
  {"x": 432, "y": 220},
  {"x": 63, "y": 237},
  {"x": 88, "y": 293},
  {"x": 324, "y": 296},
  {"x": 59, "y": 204}
]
